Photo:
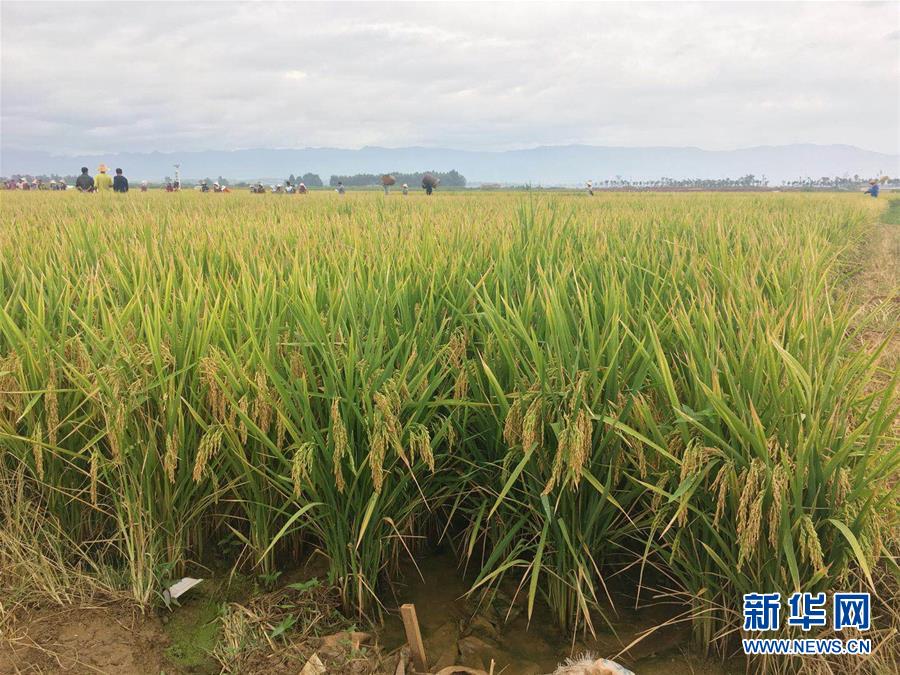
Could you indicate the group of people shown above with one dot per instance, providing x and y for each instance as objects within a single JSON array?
[
  {"x": 288, "y": 188},
  {"x": 35, "y": 184},
  {"x": 301, "y": 189},
  {"x": 403, "y": 188},
  {"x": 102, "y": 182},
  {"x": 216, "y": 187}
]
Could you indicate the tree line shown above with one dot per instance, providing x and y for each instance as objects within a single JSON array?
[{"x": 448, "y": 179}]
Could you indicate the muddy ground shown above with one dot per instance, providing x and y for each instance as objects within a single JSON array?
[{"x": 120, "y": 640}]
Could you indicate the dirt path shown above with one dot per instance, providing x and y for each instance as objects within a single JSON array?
[{"x": 876, "y": 289}]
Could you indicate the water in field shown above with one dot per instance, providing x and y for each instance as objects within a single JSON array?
[{"x": 456, "y": 630}]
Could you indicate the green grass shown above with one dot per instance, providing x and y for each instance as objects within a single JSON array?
[
  {"x": 194, "y": 631},
  {"x": 891, "y": 215}
]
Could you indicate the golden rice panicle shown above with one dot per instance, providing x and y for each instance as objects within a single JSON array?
[
  {"x": 461, "y": 384},
  {"x": 810, "y": 545},
  {"x": 456, "y": 348},
  {"x": 374, "y": 375},
  {"x": 638, "y": 448},
  {"x": 170, "y": 460},
  {"x": 378, "y": 442},
  {"x": 512, "y": 426},
  {"x": 297, "y": 366},
  {"x": 451, "y": 434},
  {"x": 658, "y": 494},
  {"x": 280, "y": 430},
  {"x": 241, "y": 416},
  {"x": 209, "y": 446},
  {"x": 165, "y": 354},
  {"x": 749, "y": 518},
  {"x": 387, "y": 403},
  {"x": 720, "y": 487},
  {"x": 339, "y": 443},
  {"x": 52, "y": 409},
  {"x": 692, "y": 459},
  {"x": 139, "y": 357},
  {"x": 750, "y": 479},
  {"x": 749, "y": 541},
  {"x": 780, "y": 480},
  {"x": 562, "y": 449},
  {"x": 532, "y": 425},
  {"x": 94, "y": 471},
  {"x": 262, "y": 404},
  {"x": 490, "y": 350},
  {"x": 114, "y": 411},
  {"x": 580, "y": 445},
  {"x": 215, "y": 397},
  {"x": 37, "y": 450},
  {"x": 420, "y": 443},
  {"x": 841, "y": 488},
  {"x": 77, "y": 357},
  {"x": 11, "y": 400},
  {"x": 300, "y": 466}
]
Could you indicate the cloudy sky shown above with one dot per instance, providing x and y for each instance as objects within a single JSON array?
[{"x": 122, "y": 76}]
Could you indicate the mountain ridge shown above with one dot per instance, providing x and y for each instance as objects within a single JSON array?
[{"x": 541, "y": 165}]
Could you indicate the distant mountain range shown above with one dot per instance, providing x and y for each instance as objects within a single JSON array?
[{"x": 547, "y": 165}]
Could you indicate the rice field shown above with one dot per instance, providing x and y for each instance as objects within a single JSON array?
[{"x": 563, "y": 390}]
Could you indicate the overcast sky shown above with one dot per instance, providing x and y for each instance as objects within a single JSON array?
[{"x": 152, "y": 76}]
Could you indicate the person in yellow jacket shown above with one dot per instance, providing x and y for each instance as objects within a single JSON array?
[{"x": 102, "y": 181}]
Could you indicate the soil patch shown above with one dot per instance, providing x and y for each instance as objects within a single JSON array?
[{"x": 115, "y": 640}]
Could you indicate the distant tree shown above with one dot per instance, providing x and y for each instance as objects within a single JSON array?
[
  {"x": 291, "y": 179},
  {"x": 312, "y": 180}
]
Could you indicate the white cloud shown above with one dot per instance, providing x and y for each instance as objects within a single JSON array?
[{"x": 155, "y": 76}]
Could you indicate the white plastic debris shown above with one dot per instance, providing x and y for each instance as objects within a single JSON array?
[
  {"x": 314, "y": 666},
  {"x": 179, "y": 588},
  {"x": 588, "y": 664}
]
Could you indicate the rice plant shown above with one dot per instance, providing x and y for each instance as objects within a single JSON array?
[{"x": 556, "y": 386}]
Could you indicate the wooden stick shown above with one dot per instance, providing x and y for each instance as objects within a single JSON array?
[{"x": 414, "y": 637}]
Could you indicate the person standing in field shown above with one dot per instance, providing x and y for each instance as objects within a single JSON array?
[
  {"x": 429, "y": 183},
  {"x": 340, "y": 188},
  {"x": 120, "y": 183},
  {"x": 84, "y": 182},
  {"x": 102, "y": 181},
  {"x": 873, "y": 189},
  {"x": 405, "y": 189}
]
